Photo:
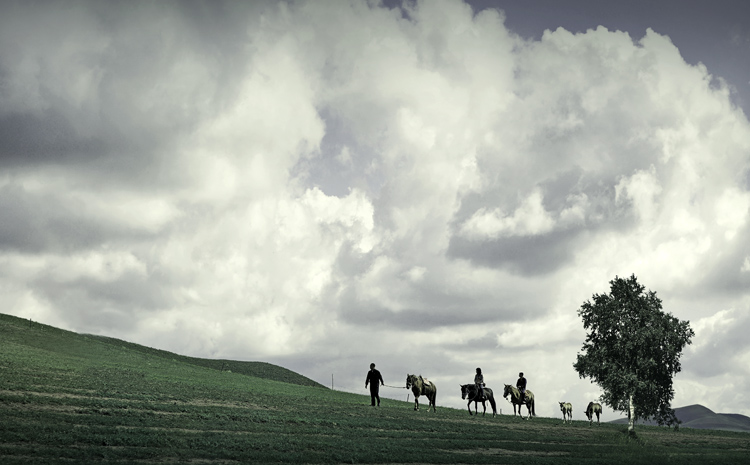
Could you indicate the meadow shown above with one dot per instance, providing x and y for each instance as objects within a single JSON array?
[{"x": 72, "y": 398}]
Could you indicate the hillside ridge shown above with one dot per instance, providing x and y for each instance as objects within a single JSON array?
[
  {"x": 30, "y": 333},
  {"x": 701, "y": 417}
]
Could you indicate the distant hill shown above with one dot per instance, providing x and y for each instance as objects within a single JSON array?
[
  {"x": 32, "y": 334},
  {"x": 700, "y": 417}
]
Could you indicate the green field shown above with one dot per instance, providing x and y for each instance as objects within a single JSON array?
[{"x": 71, "y": 398}]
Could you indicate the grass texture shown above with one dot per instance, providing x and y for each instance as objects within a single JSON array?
[{"x": 72, "y": 398}]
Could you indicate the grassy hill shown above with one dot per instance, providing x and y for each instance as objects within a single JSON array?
[
  {"x": 71, "y": 398},
  {"x": 700, "y": 417},
  {"x": 64, "y": 342}
]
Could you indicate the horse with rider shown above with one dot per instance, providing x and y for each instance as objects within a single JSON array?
[{"x": 520, "y": 396}]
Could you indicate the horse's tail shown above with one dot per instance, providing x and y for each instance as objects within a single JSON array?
[
  {"x": 434, "y": 397},
  {"x": 494, "y": 406},
  {"x": 533, "y": 410}
]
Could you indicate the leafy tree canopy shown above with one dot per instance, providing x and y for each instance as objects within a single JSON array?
[{"x": 632, "y": 350}]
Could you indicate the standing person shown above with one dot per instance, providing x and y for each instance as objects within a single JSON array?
[
  {"x": 373, "y": 377},
  {"x": 479, "y": 381},
  {"x": 521, "y": 385}
]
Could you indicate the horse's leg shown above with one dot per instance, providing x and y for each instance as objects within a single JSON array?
[
  {"x": 530, "y": 406},
  {"x": 468, "y": 406},
  {"x": 416, "y": 402}
]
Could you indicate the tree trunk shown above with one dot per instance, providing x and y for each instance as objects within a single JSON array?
[{"x": 631, "y": 415}]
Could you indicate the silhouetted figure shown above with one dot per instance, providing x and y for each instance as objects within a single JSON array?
[
  {"x": 521, "y": 385},
  {"x": 479, "y": 381},
  {"x": 373, "y": 378}
]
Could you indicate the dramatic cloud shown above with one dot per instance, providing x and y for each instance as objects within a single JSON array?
[{"x": 326, "y": 185}]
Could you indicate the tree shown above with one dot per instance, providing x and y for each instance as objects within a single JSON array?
[{"x": 632, "y": 351}]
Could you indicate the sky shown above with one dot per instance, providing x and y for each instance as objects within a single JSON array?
[{"x": 430, "y": 186}]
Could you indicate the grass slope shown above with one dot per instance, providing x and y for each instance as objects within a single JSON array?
[
  {"x": 257, "y": 369},
  {"x": 100, "y": 347},
  {"x": 69, "y": 398}
]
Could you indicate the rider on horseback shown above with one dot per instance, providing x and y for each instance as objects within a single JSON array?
[
  {"x": 521, "y": 385},
  {"x": 479, "y": 381}
]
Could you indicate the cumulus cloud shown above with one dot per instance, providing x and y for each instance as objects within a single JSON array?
[
  {"x": 529, "y": 219},
  {"x": 328, "y": 185}
]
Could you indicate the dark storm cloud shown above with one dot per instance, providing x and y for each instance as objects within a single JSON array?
[
  {"x": 481, "y": 342},
  {"x": 38, "y": 223},
  {"x": 418, "y": 319},
  {"x": 131, "y": 290},
  {"x": 438, "y": 308},
  {"x": 53, "y": 226},
  {"x": 27, "y": 139},
  {"x": 128, "y": 81},
  {"x": 529, "y": 255}
]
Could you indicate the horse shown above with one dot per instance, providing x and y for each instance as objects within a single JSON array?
[
  {"x": 422, "y": 387},
  {"x": 593, "y": 409},
  {"x": 470, "y": 391},
  {"x": 567, "y": 411},
  {"x": 515, "y": 399}
]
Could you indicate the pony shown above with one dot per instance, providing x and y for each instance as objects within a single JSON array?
[
  {"x": 515, "y": 399},
  {"x": 470, "y": 391},
  {"x": 422, "y": 387},
  {"x": 567, "y": 410},
  {"x": 593, "y": 409}
]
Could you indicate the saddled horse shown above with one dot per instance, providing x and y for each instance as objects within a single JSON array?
[
  {"x": 471, "y": 391},
  {"x": 515, "y": 399},
  {"x": 567, "y": 410},
  {"x": 422, "y": 387},
  {"x": 593, "y": 409}
]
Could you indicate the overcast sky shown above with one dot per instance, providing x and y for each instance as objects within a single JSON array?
[{"x": 433, "y": 188}]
